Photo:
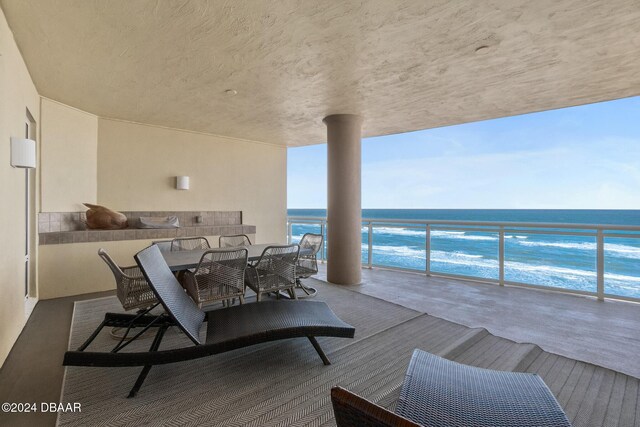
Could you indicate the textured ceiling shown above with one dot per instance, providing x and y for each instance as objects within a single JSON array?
[{"x": 403, "y": 65}]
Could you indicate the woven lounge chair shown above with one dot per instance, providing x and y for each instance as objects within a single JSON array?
[
  {"x": 228, "y": 329},
  {"x": 437, "y": 392}
]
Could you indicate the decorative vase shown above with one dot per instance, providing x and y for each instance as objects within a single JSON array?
[{"x": 101, "y": 218}]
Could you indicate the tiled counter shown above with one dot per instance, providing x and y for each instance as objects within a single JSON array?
[{"x": 69, "y": 227}]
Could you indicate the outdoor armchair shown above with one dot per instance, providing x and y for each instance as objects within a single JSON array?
[
  {"x": 234, "y": 241},
  {"x": 307, "y": 265},
  {"x": 132, "y": 288},
  {"x": 275, "y": 271},
  {"x": 189, "y": 243},
  {"x": 218, "y": 277}
]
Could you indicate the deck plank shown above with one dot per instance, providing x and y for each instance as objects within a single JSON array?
[
  {"x": 614, "y": 408},
  {"x": 571, "y": 382},
  {"x": 601, "y": 402},
  {"x": 629, "y": 403},
  {"x": 579, "y": 405},
  {"x": 559, "y": 377}
]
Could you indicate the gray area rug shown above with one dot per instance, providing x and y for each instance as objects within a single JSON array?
[{"x": 284, "y": 383}]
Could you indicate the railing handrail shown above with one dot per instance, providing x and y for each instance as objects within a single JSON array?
[
  {"x": 483, "y": 223},
  {"x": 501, "y": 228}
]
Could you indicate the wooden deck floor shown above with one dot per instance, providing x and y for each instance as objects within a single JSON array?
[{"x": 605, "y": 333}]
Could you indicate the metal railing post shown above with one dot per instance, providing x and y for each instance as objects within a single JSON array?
[
  {"x": 370, "y": 248},
  {"x": 323, "y": 239},
  {"x": 501, "y": 256},
  {"x": 428, "y": 249},
  {"x": 600, "y": 264},
  {"x": 289, "y": 231}
]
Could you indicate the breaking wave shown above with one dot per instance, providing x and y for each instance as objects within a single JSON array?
[{"x": 624, "y": 251}]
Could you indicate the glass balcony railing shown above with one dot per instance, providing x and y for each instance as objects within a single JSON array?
[{"x": 596, "y": 260}]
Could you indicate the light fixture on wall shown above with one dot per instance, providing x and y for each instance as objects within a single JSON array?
[
  {"x": 182, "y": 182},
  {"x": 23, "y": 153}
]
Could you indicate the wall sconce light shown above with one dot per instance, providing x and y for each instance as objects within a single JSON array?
[
  {"x": 182, "y": 182},
  {"x": 23, "y": 153}
]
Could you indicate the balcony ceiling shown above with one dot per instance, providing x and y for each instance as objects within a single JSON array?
[{"x": 403, "y": 65}]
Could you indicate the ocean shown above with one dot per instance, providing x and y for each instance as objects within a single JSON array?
[{"x": 539, "y": 259}]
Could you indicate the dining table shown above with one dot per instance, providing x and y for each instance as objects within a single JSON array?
[{"x": 184, "y": 260}]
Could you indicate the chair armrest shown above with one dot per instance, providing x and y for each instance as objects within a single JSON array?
[{"x": 353, "y": 410}]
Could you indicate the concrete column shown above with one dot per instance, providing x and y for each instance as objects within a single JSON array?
[{"x": 344, "y": 210}]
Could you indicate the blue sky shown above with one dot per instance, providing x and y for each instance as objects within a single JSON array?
[{"x": 585, "y": 157}]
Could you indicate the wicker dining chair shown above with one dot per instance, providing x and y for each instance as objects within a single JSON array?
[
  {"x": 234, "y": 241},
  {"x": 189, "y": 244},
  {"x": 132, "y": 288},
  {"x": 219, "y": 276},
  {"x": 307, "y": 265},
  {"x": 275, "y": 271}
]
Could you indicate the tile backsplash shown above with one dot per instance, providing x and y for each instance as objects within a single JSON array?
[
  {"x": 69, "y": 227},
  {"x": 51, "y": 222}
]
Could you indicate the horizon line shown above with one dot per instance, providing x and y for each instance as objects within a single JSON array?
[{"x": 492, "y": 209}]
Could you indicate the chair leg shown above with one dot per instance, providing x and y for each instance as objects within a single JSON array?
[
  {"x": 241, "y": 298},
  {"x": 316, "y": 345},
  {"x": 292, "y": 292},
  {"x": 258, "y": 296},
  {"x": 308, "y": 290},
  {"x": 145, "y": 371}
]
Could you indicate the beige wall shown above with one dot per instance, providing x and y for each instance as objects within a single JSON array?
[
  {"x": 126, "y": 166},
  {"x": 69, "y": 157},
  {"x": 137, "y": 165},
  {"x": 76, "y": 268},
  {"x": 17, "y": 94},
  {"x": 136, "y": 169}
]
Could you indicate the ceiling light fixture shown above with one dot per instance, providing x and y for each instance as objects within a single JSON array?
[
  {"x": 482, "y": 49},
  {"x": 231, "y": 92}
]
